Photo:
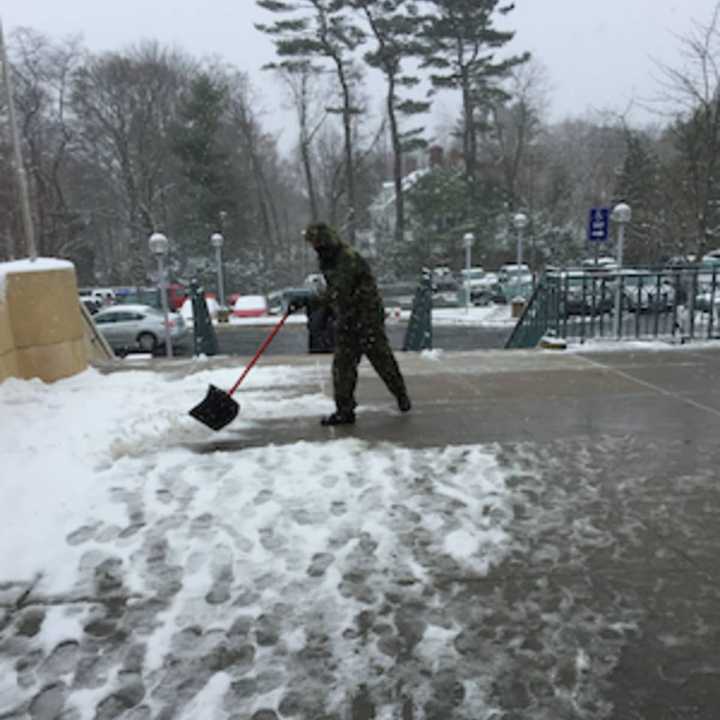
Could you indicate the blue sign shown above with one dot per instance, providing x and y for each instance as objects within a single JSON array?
[{"x": 599, "y": 225}]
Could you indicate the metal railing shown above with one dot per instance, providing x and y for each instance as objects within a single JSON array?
[{"x": 632, "y": 304}]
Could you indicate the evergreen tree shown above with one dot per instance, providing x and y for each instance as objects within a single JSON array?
[
  {"x": 203, "y": 163},
  {"x": 639, "y": 185},
  {"x": 460, "y": 43},
  {"x": 439, "y": 202}
]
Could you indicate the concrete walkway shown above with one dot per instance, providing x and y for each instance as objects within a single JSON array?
[
  {"x": 608, "y": 605},
  {"x": 618, "y": 454}
]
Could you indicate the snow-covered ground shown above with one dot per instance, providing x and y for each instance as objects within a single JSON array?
[
  {"x": 489, "y": 316},
  {"x": 143, "y": 579}
]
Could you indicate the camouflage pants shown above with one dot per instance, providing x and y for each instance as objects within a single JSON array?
[{"x": 349, "y": 349}]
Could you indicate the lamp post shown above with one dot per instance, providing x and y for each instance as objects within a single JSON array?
[
  {"x": 520, "y": 221},
  {"x": 159, "y": 246},
  {"x": 217, "y": 240},
  {"x": 468, "y": 240},
  {"x": 621, "y": 215}
]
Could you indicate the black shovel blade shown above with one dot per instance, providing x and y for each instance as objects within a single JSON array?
[{"x": 217, "y": 410}]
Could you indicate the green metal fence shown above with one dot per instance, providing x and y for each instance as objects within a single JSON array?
[{"x": 631, "y": 304}]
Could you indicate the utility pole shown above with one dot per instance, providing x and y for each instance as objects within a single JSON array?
[{"x": 19, "y": 165}]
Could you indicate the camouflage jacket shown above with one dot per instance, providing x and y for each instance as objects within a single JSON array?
[{"x": 351, "y": 291}]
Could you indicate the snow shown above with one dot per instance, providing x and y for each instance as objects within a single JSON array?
[
  {"x": 100, "y": 481},
  {"x": 605, "y": 346},
  {"x": 195, "y": 581},
  {"x": 23, "y": 266},
  {"x": 494, "y": 315}
]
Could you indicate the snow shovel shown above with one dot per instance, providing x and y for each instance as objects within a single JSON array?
[{"x": 218, "y": 409}]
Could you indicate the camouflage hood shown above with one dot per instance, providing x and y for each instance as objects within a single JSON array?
[{"x": 326, "y": 241}]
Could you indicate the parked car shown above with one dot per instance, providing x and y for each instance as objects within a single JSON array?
[
  {"x": 176, "y": 295},
  {"x": 515, "y": 281},
  {"x": 92, "y": 306},
  {"x": 102, "y": 296},
  {"x": 445, "y": 292},
  {"x": 278, "y": 300},
  {"x": 602, "y": 264},
  {"x": 484, "y": 287},
  {"x": 641, "y": 292},
  {"x": 250, "y": 306},
  {"x": 187, "y": 308},
  {"x": 582, "y": 293},
  {"x": 138, "y": 327},
  {"x": 398, "y": 294}
]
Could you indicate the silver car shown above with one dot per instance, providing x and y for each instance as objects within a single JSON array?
[{"x": 138, "y": 327}]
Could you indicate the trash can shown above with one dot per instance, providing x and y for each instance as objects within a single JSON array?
[
  {"x": 517, "y": 306},
  {"x": 321, "y": 331}
]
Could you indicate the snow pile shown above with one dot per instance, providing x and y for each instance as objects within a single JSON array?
[
  {"x": 489, "y": 316},
  {"x": 23, "y": 266},
  {"x": 247, "y": 573},
  {"x": 435, "y": 355},
  {"x": 148, "y": 575}
]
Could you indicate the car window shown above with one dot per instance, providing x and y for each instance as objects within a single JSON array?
[
  {"x": 105, "y": 319},
  {"x": 125, "y": 317}
]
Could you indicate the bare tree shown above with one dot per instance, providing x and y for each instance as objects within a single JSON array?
[
  {"x": 43, "y": 72},
  {"x": 126, "y": 104},
  {"x": 514, "y": 129},
  {"x": 299, "y": 77},
  {"x": 693, "y": 89}
]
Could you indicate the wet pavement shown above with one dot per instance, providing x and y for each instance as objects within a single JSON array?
[
  {"x": 293, "y": 340},
  {"x": 598, "y": 472},
  {"x": 619, "y": 452}
]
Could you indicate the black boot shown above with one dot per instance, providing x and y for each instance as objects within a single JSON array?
[
  {"x": 346, "y": 417},
  {"x": 404, "y": 403}
]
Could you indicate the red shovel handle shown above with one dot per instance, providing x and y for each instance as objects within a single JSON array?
[{"x": 260, "y": 351}]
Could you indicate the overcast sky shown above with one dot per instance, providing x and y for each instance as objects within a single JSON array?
[{"x": 599, "y": 54}]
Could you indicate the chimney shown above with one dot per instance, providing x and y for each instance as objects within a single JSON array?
[{"x": 436, "y": 156}]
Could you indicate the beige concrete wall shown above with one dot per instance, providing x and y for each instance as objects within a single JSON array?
[
  {"x": 8, "y": 357},
  {"x": 41, "y": 327}
]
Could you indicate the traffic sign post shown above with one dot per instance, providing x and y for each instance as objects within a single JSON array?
[
  {"x": 598, "y": 228},
  {"x": 599, "y": 225}
]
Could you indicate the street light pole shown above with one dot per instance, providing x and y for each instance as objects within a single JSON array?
[
  {"x": 622, "y": 215},
  {"x": 217, "y": 240},
  {"x": 468, "y": 240},
  {"x": 520, "y": 222},
  {"x": 159, "y": 246}
]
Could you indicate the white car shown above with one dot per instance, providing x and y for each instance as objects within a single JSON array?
[
  {"x": 483, "y": 286},
  {"x": 249, "y": 306},
  {"x": 138, "y": 327},
  {"x": 187, "y": 309},
  {"x": 641, "y": 292}
]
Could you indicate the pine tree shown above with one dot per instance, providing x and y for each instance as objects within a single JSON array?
[
  {"x": 639, "y": 186},
  {"x": 460, "y": 45},
  {"x": 196, "y": 144}
]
